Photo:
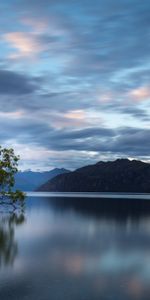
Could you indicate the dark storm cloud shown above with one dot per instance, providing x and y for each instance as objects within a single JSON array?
[
  {"x": 85, "y": 133},
  {"x": 133, "y": 142},
  {"x": 124, "y": 142},
  {"x": 138, "y": 113},
  {"x": 39, "y": 103},
  {"x": 130, "y": 110},
  {"x": 127, "y": 141},
  {"x": 25, "y": 130},
  {"x": 13, "y": 83}
]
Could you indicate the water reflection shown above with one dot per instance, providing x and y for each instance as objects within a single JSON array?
[
  {"x": 119, "y": 210},
  {"x": 8, "y": 244},
  {"x": 67, "y": 250}
]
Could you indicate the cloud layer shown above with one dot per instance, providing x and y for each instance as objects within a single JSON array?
[{"x": 74, "y": 80}]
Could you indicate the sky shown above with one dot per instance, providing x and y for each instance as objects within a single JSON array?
[{"x": 75, "y": 81}]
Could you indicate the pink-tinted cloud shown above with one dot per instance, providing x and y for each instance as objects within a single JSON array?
[
  {"x": 26, "y": 44},
  {"x": 140, "y": 93},
  {"x": 12, "y": 115}
]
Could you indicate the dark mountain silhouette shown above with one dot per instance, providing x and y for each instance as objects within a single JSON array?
[
  {"x": 30, "y": 181},
  {"x": 121, "y": 175}
]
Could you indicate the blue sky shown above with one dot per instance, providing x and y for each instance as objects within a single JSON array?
[{"x": 75, "y": 81}]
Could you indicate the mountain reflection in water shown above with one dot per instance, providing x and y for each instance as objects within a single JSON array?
[{"x": 73, "y": 248}]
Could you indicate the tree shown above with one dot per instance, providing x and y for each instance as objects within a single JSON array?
[{"x": 8, "y": 169}]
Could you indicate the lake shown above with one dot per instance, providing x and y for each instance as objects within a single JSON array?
[{"x": 76, "y": 248}]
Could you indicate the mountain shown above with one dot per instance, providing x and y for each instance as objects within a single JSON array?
[
  {"x": 30, "y": 181},
  {"x": 121, "y": 175}
]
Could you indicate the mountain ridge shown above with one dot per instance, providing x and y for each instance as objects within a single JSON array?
[
  {"x": 30, "y": 180},
  {"x": 121, "y": 175}
]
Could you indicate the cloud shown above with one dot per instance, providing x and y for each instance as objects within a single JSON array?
[
  {"x": 26, "y": 44},
  {"x": 71, "y": 146},
  {"x": 39, "y": 26},
  {"x": 90, "y": 73},
  {"x": 12, "y": 115},
  {"x": 84, "y": 133},
  {"x": 13, "y": 83},
  {"x": 140, "y": 93},
  {"x": 72, "y": 118}
]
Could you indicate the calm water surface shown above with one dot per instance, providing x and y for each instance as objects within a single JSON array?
[{"x": 76, "y": 249}]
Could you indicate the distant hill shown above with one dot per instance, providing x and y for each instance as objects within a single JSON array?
[
  {"x": 121, "y": 175},
  {"x": 30, "y": 181}
]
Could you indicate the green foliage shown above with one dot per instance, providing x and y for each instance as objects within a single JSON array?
[{"x": 8, "y": 169}]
